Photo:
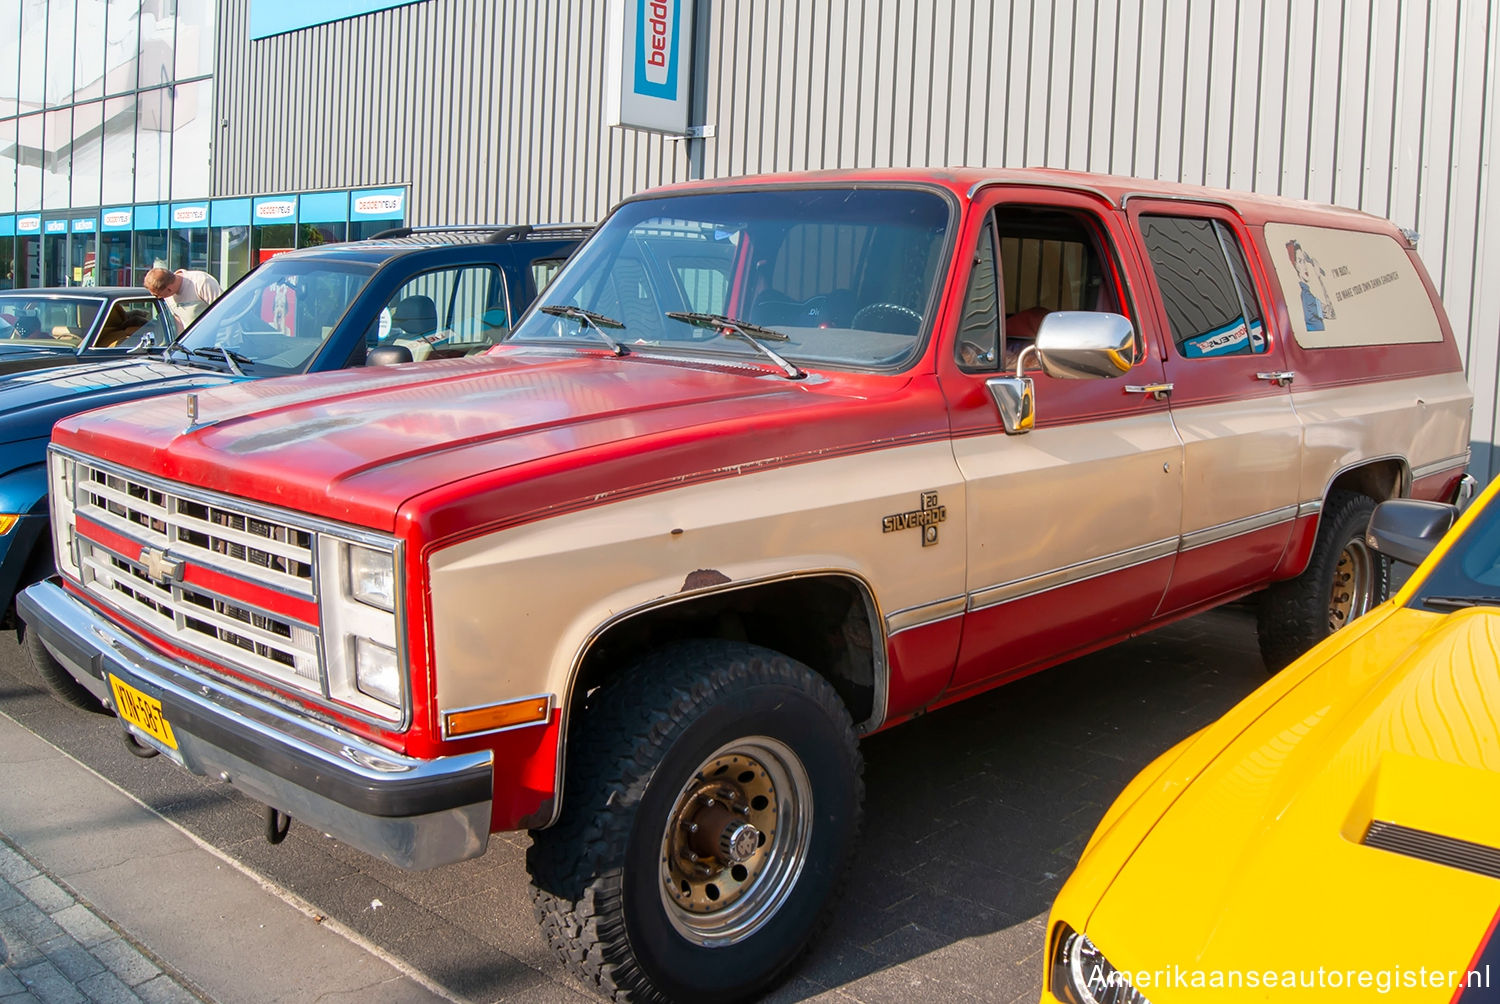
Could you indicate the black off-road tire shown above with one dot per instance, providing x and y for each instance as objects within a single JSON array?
[
  {"x": 599, "y": 876},
  {"x": 57, "y": 680},
  {"x": 1297, "y": 614}
]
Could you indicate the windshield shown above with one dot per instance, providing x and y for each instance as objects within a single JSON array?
[
  {"x": 34, "y": 322},
  {"x": 848, "y": 275},
  {"x": 280, "y": 315},
  {"x": 1471, "y": 568}
]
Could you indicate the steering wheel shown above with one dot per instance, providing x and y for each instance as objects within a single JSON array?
[{"x": 893, "y": 318}]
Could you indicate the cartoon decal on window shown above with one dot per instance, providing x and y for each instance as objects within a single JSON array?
[{"x": 1314, "y": 308}]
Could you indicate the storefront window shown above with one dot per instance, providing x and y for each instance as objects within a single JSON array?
[
  {"x": 119, "y": 150},
  {"x": 114, "y": 258},
  {"x": 60, "y": 34},
  {"x": 229, "y": 249},
  {"x": 29, "y": 163},
  {"x": 32, "y": 84},
  {"x": 88, "y": 152},
  {"x": 7, "y": 263},
  {"x": 324, "y": 233},
  {"x": 150, "y": 252},
  {"x": 153, "y": 145},
  {"x": 122, "y": 45},
  {"x": 28, "y": 262},
  {"x": 195, "y": 38},
  {"x": 189, "y": 249},
  {"x": 88, "y": 51},
  {"x": 158, "y": 31},
  {"x": 192, "y": 134},
  {"x": 10, "y": 58},
  {"x": 57, "y": 149},
  {"x": 268, "y": 241}
]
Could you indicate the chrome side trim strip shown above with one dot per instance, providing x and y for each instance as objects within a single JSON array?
[
  {"x": 926, "y": 613},
  {"x": 1309, "y": 508},
  {"x": 982, "y": 599},
  {"x": 1439, "y": 466},
  {"x": 1234, "y": 528}
]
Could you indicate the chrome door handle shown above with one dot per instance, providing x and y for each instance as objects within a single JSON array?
[
  {"x": 1281, "y": 378},
  {"x": 1160, "y": 391}
]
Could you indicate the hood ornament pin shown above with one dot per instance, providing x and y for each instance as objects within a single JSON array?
[{"x": 192, "y": 407}]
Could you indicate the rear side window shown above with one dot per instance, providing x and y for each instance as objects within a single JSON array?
[
  {"x": 1205, "y": 285},
  {"x": 1347, "y": 287}
]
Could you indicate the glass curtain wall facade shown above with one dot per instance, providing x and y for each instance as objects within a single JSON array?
[
  {"x": 104, "y": 105},
  {"x": 106, "y": 148}
]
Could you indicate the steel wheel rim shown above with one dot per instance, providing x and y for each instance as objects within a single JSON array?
[
  {"x": 1353, "y": 584},
  {"x": 718, "y": 900}
]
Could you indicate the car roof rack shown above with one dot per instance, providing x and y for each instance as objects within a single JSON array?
[{"x": 497, "y": 234}]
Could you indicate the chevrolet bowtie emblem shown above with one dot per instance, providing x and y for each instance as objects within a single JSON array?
[{"x": 161, "y": 567}]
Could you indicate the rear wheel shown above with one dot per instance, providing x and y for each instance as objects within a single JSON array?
[
  {"x": 712, "y": 801},
  {"x": 1343, "y": 580}
]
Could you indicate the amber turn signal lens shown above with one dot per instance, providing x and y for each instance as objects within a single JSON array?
[
  {"x": 496, "y": 716},
  {"x": 6, "y": 522}
]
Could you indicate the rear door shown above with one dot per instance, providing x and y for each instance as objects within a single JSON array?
[
  {"x": 1231, "y": 399},
  {"x": 1072, "y": 526}
]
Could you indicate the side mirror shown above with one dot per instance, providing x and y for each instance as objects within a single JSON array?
[
  {"x": 388, "y": 355},
  {"x": 1083, "y": 345},
  {"x": 1407, "y": 530},
  {"x": 1070, "y": 345}
]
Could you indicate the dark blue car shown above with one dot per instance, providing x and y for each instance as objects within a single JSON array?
[{"x": 406, "y": 295}]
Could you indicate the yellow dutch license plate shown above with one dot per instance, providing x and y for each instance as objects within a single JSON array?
[{"x": 141, "y": 711}]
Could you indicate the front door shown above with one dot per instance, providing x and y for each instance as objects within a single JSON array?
[
  {"x": 1230, "y": 400},
  {"x": 1072, "y": 526}
]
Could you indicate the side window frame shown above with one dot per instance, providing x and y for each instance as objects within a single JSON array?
[
  {"x": 1228, "y": 236},
  {"x": 982, "y": 355}
]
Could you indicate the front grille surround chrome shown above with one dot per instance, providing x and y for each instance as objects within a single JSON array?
[{"x": 270, "y": 549}]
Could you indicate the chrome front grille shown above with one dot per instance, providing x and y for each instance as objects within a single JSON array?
[{"x": 209, "y": 535}]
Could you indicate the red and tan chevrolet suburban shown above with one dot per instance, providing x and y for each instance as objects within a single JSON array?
[{"x": 774, "y": 463}]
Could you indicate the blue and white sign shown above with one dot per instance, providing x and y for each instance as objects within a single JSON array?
[
  {"x": 28, "y": 224},
  {"x": 190, "y": 215},
  {"x": 649, "y": 63},
  {"x": 378, "y": 204},
  {"x": 85, "y": 226},
  {"x": 55, "y": 227},
  {"x": 276, "y": 210},
  {"x": 118, "y": 219}
]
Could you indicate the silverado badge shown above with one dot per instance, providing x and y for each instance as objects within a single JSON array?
[{"x": 927, "y": 517}]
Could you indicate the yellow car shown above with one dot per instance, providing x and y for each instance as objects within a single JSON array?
[{"x": 1336, "y": 836}]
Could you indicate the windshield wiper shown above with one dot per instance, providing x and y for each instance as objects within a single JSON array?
[
  {"x": 231, "y": 358},
  {"x": 588, "y": 320},
  {"x": 745, "y": 331},
  {"x": 1460, "y": 602}
]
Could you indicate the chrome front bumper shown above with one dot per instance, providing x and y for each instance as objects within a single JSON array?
[{"x": 413, "y": 813}]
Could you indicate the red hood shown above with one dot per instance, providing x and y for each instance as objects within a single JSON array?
[{"x": 356, "y": 445}]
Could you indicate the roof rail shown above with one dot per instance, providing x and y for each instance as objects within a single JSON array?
[{"x": 498, "y": 234}]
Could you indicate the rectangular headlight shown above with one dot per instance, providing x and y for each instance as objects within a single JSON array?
[
  {"x": 372, "y": 577},
  {"x": 377, "y": 671}
]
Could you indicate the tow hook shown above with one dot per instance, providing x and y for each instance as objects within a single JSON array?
[
  {"x": 277, "y": 825},
  {"x": 138, "y": 748}
]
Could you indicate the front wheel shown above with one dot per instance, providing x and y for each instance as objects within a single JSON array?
[
  {"x": 1344, "y": 578},
  {"x": 712, "y": 801}
]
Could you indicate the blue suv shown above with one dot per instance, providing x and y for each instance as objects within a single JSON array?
[{"x": 401, "y": 296}]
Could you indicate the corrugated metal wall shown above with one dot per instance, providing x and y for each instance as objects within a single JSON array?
[{"x": 493, "y": 110}]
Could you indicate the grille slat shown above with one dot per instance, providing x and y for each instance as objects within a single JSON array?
[
  {"x": 241, "y": 545},
  {"x": 214, "y": 536}
]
